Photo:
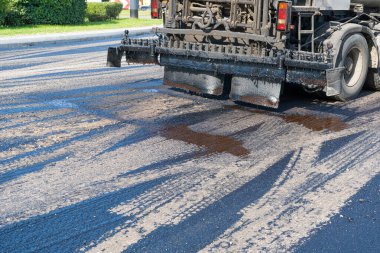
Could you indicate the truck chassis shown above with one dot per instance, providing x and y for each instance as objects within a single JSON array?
[{"x": 248, "y": 56}]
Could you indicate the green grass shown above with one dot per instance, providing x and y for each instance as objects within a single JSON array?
[
  {"x": 87, "y": 26},
  {"x": 142, "y": 14}
]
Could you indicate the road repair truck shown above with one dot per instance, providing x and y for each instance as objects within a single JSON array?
[{"x": 249, "y": 49}]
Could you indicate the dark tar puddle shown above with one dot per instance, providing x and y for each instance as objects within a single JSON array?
[
  {"x": 313, "y": 122},
  {"x": 317, "y": 123},
  {"x": 212, "y": 143}
]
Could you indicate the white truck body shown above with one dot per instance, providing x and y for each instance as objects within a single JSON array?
[
  {"x": 343, "y": 4},
  {"x": 332, "y": 4}
]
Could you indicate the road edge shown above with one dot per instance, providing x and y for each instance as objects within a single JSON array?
[{"x": 57, "y": 38}]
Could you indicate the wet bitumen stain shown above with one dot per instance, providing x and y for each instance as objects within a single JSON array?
[
  {"x": 355, "y": 229},
  {"x": 212, "y": 143},
  {"x": 70, "y": 228},
  {"x": 200, "y": 229},
  {"x": 165, "y": 163},
  {"x": 317, "y": 123},
  {"x": 150, "y": 129},
  {"x": 311, "y": 121},
  {"x": 187, "y": 136}
]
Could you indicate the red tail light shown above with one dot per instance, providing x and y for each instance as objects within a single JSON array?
[
  {"x": 154, "y": 12},
  {"x": 282, "y": 16}
]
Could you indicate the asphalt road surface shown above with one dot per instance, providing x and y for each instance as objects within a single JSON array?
[{"x": 109, "y": 160}]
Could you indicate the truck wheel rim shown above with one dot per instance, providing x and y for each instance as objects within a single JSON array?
[{"x": 353, "y": 67}]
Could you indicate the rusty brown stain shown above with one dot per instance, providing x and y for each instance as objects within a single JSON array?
[
  {"x": 316, "y": 123},
  {"x": 312, "y": 122},
  {"x": 212, "y": 143},
  {"x": 182, "y": 86}
]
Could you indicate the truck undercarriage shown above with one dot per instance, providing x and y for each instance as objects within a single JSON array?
[{"x": 248, "y": 49}]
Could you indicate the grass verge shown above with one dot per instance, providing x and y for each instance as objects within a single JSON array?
[
  {"x": 142, "y": 14},
  {"x": 87, "y": 26}
]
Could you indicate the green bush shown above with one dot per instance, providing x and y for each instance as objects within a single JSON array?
[
  {"x": 4, "y": 9},
  {"x": 114, "y": 9},
  {"x": 96, "y": 12},
  {"x": 55, "y": 12},
  {"x": 103, "y": 11}
]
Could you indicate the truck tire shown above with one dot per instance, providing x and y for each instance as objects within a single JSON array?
[
  {"x": 373, "y": 80},
  {"x": 354, "y": 57}
]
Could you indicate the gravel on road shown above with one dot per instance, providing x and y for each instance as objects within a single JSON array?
[{"x": 108, "y": 159}]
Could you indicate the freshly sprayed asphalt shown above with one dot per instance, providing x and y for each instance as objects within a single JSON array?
[{"x": 109, "y": 160}]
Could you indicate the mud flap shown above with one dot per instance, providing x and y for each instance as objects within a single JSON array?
[
  {"x": 334, "y": 77},
  {"x": 141, "y": 53},
  {"x": 256, "y": 91},
  {"x": 114, "y": 57},
  {"x": 199, "y": 82}
]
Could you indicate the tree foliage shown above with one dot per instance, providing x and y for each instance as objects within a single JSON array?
[{"x": 4, "y": 9}]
